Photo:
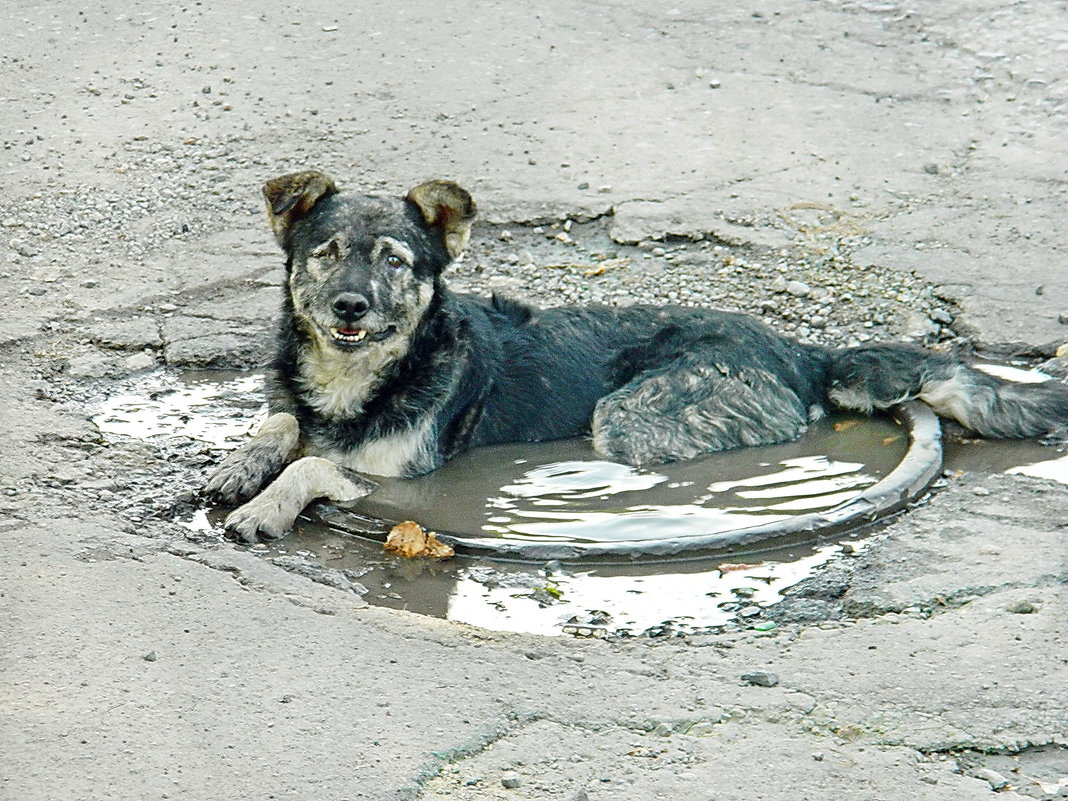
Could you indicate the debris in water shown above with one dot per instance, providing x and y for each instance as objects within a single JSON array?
[
  {"x": 410, "y": 540},
  {"x": 730, "y": 567}
]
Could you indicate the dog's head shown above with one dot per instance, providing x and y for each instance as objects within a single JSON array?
[{"x": 363, "y": 270}]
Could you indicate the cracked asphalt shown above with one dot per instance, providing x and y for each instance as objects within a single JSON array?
[{"x": 903, "y": 161}]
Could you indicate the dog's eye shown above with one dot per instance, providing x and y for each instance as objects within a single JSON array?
[{"x": 395, "y": 261}]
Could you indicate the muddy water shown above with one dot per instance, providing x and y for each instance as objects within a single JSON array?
[{"x": 561, "y": 491}]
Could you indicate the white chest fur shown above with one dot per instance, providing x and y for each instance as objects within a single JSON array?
[
  {"x": 406, "y": 453},
  {"x": 338, "y": 384}
]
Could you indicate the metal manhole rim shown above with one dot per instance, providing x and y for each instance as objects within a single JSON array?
[{"x": 913, "y": 475}]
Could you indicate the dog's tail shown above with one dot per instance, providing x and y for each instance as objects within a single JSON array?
[{"x": 879, "y": 376}]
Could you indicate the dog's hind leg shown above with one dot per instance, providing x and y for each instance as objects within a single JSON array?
[
  {"x": 245, "y": 471},
  {"x": 272, "y": 512},
  {"x": 694, "y": 407}
]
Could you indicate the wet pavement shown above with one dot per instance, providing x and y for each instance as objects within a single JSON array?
[{"x": 847, "y": 171}]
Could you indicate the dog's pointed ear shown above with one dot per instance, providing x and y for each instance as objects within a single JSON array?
[
  {"x": 448, "y": 207},
  {"x": 290, "y": 197}
]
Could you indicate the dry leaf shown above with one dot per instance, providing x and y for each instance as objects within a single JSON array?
[
  {"x": 408, "y": 539},
  {"x": 595, "y": 271}
]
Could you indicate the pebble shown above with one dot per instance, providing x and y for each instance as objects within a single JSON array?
[
  {"x": 140, "y": 361},
  {"x": 1022, "y": 608},
  {"x": 760, "y": 678},
  {"x": 150, "y": 656},
  {"x": 799, "y": 289},
  {"x": 982, "y": 492},
  {"x": 941, "y": 316},
  {"x": 510, "y": 781},
  {"x": 995, "y": 779}
]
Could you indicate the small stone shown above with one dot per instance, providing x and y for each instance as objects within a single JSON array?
[
  {"x": 995, "y": 779},
  {"x": 714, "y": 84},
  {"x": 705, "y": 728},
  {"x": 820, "y": 293},
  {"x": 930, "y": 169},
  {"x": 941, "y": 316},
  {"x": 1062, "y": 319},
  {"x": 799, "y": 289},
  {"x": 779, "y": 284},
  {"x": 818, "y": 757},
  {"x": 750, "y": 611},
  {"x": 982, "y": 492},
  {"x": 510, "y": 781},
  {"x": 150, "y": 656},
  {"x": 1022, "y": 608},
  {"x": 140, "y": 361},
  {"x": 760, "y": 678}
]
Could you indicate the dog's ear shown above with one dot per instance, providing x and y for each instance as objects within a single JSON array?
[
  {"x": 448, "y": 207},
  {"x": 291, "y": 197}
]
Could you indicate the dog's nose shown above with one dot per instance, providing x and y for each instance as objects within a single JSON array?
[{"x": 350, "y": 306}]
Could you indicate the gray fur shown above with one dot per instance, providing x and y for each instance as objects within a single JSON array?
[{"x": 692, "y": 408}]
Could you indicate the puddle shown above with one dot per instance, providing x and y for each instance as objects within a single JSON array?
[
  {"x": 533, "y": 495},
  {"x": 563, "y": 492}
]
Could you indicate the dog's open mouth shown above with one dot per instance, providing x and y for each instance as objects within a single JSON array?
[{"x": 348, "y": 336}]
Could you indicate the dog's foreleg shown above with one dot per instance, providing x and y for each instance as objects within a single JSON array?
[
  {"x": 245, "y": 471},
  {"x": 272, "y": 512}
]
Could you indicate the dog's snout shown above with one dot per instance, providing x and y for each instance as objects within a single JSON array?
[{"x": 350, "y": 306}]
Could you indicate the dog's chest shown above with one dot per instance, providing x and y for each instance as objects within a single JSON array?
[
  {"x": 337, "y": 385},
  {"x": 409, "y": 452}
]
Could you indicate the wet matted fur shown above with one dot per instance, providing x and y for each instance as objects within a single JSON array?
[{"x": 382, "y": 370}]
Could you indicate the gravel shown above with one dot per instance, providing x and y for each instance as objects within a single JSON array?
[{"x": 816, "y": 297}]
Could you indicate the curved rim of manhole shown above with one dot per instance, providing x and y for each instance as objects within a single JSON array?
[{"x": 912, "y": 476}]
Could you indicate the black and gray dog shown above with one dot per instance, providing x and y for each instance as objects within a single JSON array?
[{"x": 382, "y": 370}]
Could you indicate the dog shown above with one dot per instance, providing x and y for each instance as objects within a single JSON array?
[{"x": 382, "y": 370}]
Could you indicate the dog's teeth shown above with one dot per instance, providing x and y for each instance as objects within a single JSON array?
[{"x": 341, "y": 336}]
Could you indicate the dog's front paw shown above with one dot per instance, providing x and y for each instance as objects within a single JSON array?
[
  {"x": 248, "y": 469},
  {"x": 238, "y": 478},
  {"x": 266, "y": 516}
]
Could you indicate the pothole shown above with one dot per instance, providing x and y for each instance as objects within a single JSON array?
[{"x": 552, "y": 539}]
